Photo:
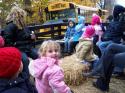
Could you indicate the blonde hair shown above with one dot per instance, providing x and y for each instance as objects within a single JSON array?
[
  {"x": 49, "y": 44},
  {"x": 17, "y": 15}
]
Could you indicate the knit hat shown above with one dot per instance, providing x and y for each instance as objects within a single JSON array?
[
  {"x": 10, "y": 61},
  {"x": 1, "y": 41},
  {"x": 89, "y": 32},
  {"x": 95, "y": 20}
]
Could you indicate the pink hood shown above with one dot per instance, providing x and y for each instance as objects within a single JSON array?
[
  {"x": 95, "y": 20},
  {"x": 89, "y": 32}
]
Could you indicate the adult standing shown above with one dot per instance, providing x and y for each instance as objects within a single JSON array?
[{"x": 18, "y": 35}]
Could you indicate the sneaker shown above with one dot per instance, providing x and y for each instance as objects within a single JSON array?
[{"x": 119, "y": 75}]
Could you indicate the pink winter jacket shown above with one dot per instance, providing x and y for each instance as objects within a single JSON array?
[{"x": 49, "y": 77}]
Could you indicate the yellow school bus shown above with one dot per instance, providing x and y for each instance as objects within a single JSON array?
[{"x": 62, "y": 10}]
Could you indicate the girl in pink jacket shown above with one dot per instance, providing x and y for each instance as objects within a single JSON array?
[{"x": 49, "y": 77}]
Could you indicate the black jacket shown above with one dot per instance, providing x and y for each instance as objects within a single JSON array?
[
  {"x": 21, "y": 38},
  {"x": 114, "y": 32},
  {"x": 116, "y": 28},
  {"x": 18, "y": 85},
  {"x": 9, "y": 34}
]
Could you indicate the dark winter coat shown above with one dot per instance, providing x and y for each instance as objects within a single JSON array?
[
  {"x": 19, "y": 85},
  {"x": 114, "y": 32},
  {"x": 116, "y": 28},
  {"x": 17, "y": 37}
]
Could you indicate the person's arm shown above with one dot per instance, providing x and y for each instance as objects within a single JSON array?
[
  {"x": 9, "y": 34},
  {"x": 36, "y": 68},
  {"x": 27, "y": 34},
  {"x": 56, "y": 81}
]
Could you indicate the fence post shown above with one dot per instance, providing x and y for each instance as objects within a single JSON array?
[
  {"x": 59, "y": 30},
  {"x": 52, "y": 34}
]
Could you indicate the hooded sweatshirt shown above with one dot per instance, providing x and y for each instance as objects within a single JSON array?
[
  {"x": 48, "y": 75},
  {"x": 70, "y": 30},
  {"x": 78, "y": 28}
]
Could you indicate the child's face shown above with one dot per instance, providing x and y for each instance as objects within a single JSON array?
[
  {"x": 71, "y": 24},
  {"x": 53, "y": 53}
]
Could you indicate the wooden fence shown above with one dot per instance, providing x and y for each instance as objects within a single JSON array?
[{"x": 52, "y": 33}]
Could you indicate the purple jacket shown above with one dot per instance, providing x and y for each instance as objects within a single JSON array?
[{"x": 49, "y": 77}]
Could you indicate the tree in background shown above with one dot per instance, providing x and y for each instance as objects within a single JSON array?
[{"x": 35, "y": 8}]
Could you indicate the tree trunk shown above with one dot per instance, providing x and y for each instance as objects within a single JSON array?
[
  {"x": 109, "y": 4},
  {"x": 27, "y": 2}
]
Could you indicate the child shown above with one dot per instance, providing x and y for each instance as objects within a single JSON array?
[
  {"x": 99, "y": 30},
  {"x": 48, "y": 75},
  {"x": 84, "y": 49},
  {"x": 68, "y": 38},
  {"x": 96, "y": 22},
  {"x": 79, "y": 28},
  {"x": 10, "y": 68}
]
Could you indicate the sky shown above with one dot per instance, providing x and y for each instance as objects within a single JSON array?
[{"x": 121, "y": 2}]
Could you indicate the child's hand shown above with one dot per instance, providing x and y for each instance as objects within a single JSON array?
[
  {"x": 64, "y": 38},
  {"x": 33, "y": 36},
  {"x": 50, "y": 61}
]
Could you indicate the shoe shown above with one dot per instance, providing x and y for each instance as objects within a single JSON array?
[
  {"x": 104, "y": 89},
  {"x": 117, "y": 74},
  {"x": 91, "y": 75}
]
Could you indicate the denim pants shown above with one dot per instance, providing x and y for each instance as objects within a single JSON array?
[
  {"x": 103, "y": 45},
  {"x": 114, "y": 55},
  {"x": 67, "y": 47}
]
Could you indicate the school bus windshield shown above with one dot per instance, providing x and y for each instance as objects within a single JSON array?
[{"x": 61, "y": 14}]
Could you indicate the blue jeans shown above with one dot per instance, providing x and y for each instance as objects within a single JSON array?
[
  {"x": 103, "y": 45},
  {"x": 114, "y": 55},
  {"x": 67, "y": 46}
]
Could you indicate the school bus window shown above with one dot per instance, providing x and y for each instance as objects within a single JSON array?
[{"x": 67, "y": 13}]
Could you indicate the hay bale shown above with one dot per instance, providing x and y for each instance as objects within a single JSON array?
[
  {"x": 79, "y": 84},
  {"x": 73, "y": 70}
]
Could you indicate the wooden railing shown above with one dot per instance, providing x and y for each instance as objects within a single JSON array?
[{"x": 52, "y": 33}]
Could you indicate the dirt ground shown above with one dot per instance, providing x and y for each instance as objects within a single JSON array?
[{"x": 116, "y": 86}]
